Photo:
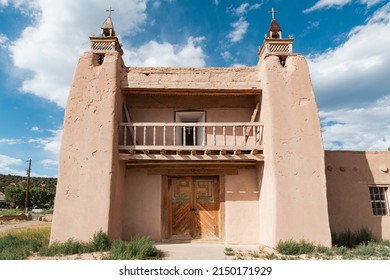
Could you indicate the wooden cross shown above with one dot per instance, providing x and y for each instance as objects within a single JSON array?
[
  {"x": 273, "y": 12},
  {"x": 109, "y": 11}
]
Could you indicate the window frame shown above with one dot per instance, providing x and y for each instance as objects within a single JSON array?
[{"x": 379, "y": 199}]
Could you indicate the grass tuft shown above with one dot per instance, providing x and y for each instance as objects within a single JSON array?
[
  {"x": 293, "y": 248},
  {"x": 139, "y": 248},
  {"x": 349, "y": 239}
]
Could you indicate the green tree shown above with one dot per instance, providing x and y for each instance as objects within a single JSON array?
[{"x": 15, "y": 194}]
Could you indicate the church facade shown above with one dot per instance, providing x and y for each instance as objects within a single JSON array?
[{"x": 227, "y": 155}]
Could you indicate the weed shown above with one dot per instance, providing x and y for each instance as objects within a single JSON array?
[
  {"x": 351, "y": 239},
  {"x": 19, "y": 244},
  {"x": 100, "y": 241},
  {"x": 292, "y": 247},
  {"x": 140, "y": 248},
  {"x": 229, "y": 251}
]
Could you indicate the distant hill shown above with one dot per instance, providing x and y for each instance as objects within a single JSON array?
[{"x": 41, "y": 182}]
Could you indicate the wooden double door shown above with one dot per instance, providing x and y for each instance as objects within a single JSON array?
[{"x": 193, "y": 207}]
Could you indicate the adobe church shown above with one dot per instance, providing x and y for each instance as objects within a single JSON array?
[{"x": 225, "y": 155}]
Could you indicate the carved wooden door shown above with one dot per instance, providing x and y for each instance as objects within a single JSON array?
[{"x": 194, "y": 209}]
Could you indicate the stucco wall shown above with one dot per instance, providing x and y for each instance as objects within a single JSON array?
[
  {"x": 349, "y": 175},
  {"x": 142, "y": 204},
  {"x": 88, "y": 156},
  {"x": 293, "y": 194},
  {"x": 242, "y": 207}
]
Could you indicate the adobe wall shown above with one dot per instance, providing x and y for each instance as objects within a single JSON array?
[
  {"x": 142, "y": 211},
  {"x": 349, "y": 174},
  {"x": 293, "y": 200},
  {"x": 242, "y": 207},
  {"x": 89, "y": 172}
]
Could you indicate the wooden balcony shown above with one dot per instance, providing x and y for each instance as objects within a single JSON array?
[{"x": 241, "y": 141}]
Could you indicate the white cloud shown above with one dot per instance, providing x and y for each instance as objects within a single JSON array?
[
  {"x": 49, "y": 163},
  {"x": 216, "y": 2},
  {"x": 166, "y": 54},
  {"x": 240, "y": 27},
  {"x": 338, "y": 4},
  {"x": 48, "y": 49},
  {"x": 365, "y": 128},
  {"x": 356, "y": 72},
  {"x": 255, "y": 6},
  {"x": 7, "y": 163},
  {"x": 50, "y": 144},
  {"x": 35, "y": 128},
  {"x": 241, "y": 10},
  {"x": 3, "y": 39},
  {"x": 226, "y": 55},
  {"x": 11, "y": 141}
]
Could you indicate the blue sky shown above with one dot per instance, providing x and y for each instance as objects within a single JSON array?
[{"x": 346, "y": 43}]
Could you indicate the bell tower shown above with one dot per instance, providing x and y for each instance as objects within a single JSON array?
[
  {"x": 274, "y": 43},
  {"x": 107, "y": 42}
]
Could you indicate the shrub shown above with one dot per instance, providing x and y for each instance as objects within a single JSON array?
[
  {"x": 100, "y": 241},
  {"x": 140, "y": 248},
  {"x": 292, "y": 247},
  {"x": 351, "y": 239}
]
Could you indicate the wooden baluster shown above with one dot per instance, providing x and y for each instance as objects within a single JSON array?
[
  {"x": 234, "y": 136},
  {"x": 244, "y": 134},
  {"x": 184, "y": 135},
  {"x": 135, "y": 136},
  {"x": 254, "y": 135},
  {"x": 174, "y": 135},
  {"x": 125, "y": 135},
  {"x": 154, "y": 135},
  {"x": 194, "y": 139},
  {"x": 204, "y": 136},
  {"x": 144, "y": 135},
  {"x": 164, "y": 134},
  {"x": 224, "y": 135},
  {"x": 214, "y": 138}
]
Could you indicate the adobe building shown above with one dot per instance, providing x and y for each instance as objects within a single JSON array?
[{"x": 227, "y": 155}]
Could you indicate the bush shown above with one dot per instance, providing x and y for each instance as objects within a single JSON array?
[
  {"x": 349, "y": 239},
  {"x": 100, "y": 241},
  {"x": 138, "y": 248},
  {"x": 292, "y": 247}
]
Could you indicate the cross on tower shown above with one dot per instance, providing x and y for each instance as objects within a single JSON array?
[
  {"x": 273, "y": 12},
  {"x": 109, "y": 11}
]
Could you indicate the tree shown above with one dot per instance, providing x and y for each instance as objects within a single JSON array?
[{"x": 15, "y": 194}]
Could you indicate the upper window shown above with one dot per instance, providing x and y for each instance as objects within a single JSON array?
[{"x": 379, "y": 200}]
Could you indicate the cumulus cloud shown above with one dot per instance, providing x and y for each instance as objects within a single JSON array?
[
  {"x": 8, "y": 163},
  {"x": 340, "y": 75},
  {"x": 11, "y": 141},
  {"x": 240, "y": 27},
  {"x": 49, "y": 48},
  {"x": 166, "y": 54},
  {"x": 338, "y": 4},
  {"x": 50, "y": 144},
  {"x": 362, "y": 128}
]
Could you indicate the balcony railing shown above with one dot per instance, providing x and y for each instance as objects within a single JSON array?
[{"x": 210, "y": 140}]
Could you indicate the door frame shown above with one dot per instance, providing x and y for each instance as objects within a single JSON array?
[{"x": 166, "y": 229}]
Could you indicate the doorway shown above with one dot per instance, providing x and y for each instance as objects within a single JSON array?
[{"x": 193, "y": 207}]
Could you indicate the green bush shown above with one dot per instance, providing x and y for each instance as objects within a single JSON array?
[
  {"x": 100, "y": 241},
  {"x": 292, "y": 247},
  {"x": 349, "y": 239},
  {"x": 139, "y": 248}
]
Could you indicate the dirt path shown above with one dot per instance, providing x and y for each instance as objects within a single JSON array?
[{"x": 22, "y": 224}]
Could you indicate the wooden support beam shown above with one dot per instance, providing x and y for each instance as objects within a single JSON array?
[
  {"x": 131, "y": 151},
  {"x": 193, "y": 152},
  {"x": 207, "y": 152},
  {"x": 146, "y": 152},
  {"x": 222, "y": 152},
  {"x": 178, "y": 152},
  {"x": 237, "y": 152},
  {"x": 254, "y": 152},
  {"x": 163, "y": 152}
]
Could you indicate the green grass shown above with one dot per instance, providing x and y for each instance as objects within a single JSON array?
[
  {"x": 21, "y": 243},
  {"x": 11, "y": 212},
  {"x": 138, "y": 248},
  {"x": 291, "y": 247}
]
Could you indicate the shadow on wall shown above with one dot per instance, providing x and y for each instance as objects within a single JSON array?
[{"x": 349, "y": 176}]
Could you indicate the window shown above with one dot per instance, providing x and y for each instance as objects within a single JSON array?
[{"x": 379, "y": 201}]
